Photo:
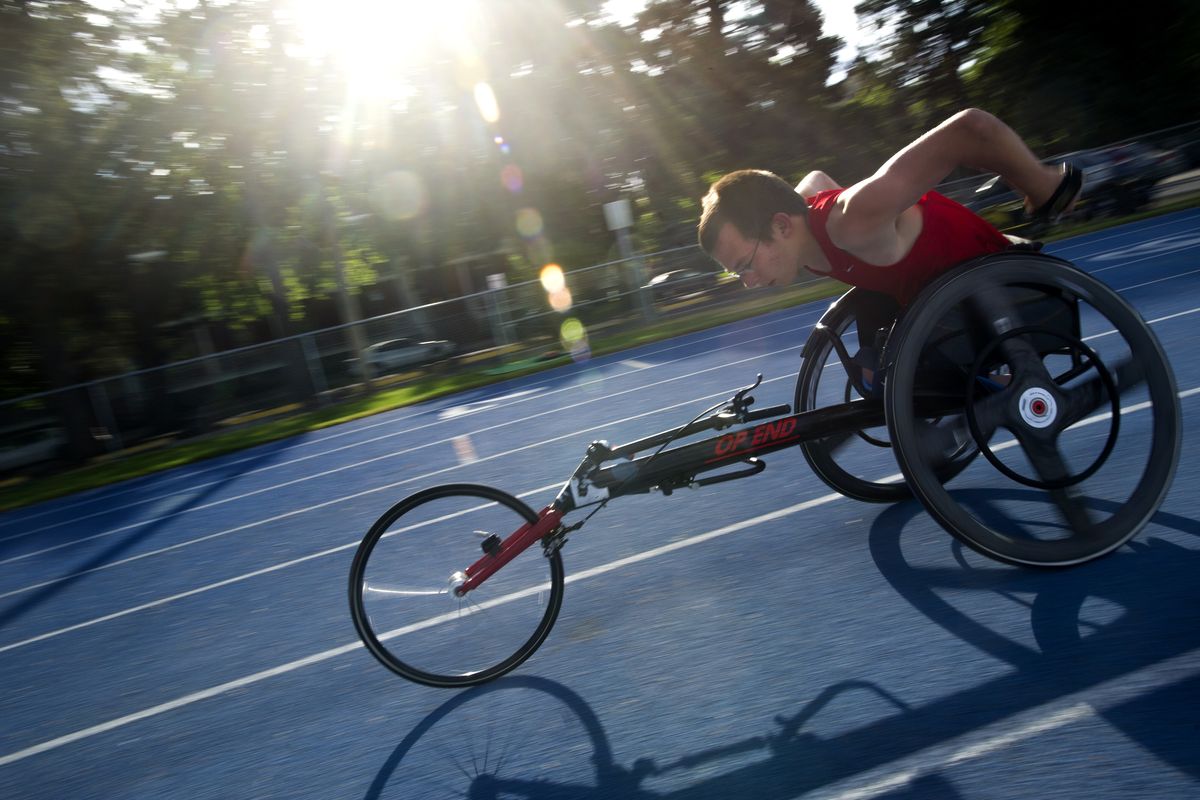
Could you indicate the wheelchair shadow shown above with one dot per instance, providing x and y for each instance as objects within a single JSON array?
[
  {"x": 795, "y": 761},
  {"x": 119, "y": 546},
  {"x": 1149, "y": 584},
  {"x": 1152, "y": 582}
]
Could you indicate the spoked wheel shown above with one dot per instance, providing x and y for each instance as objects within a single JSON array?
[
  {"x": 858, "y": 464},
  {"x": 1088, "y": 423},
  {"x": 404, "y": 574}
]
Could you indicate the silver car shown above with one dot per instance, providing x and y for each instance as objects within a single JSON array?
[{"x": 397, "y": 354}]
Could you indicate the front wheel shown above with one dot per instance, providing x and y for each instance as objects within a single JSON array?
[{"x": 402, "y": 585}]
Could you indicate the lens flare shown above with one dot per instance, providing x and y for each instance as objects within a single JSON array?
[
  {"x": 552, "y": 278},
  {"x": 512, "y": 178},
  {"x": 400, "y": 195},
  {"x": 573, "y": 337},
  {"x": 555, "y": 283},
  {"x": 529, "y": 222},
  {"x": 485, "y": 101},
  {"x": 561, "y": 301}
]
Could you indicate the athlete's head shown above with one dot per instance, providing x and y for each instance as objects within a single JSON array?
[{"x": 747, "y": 199}]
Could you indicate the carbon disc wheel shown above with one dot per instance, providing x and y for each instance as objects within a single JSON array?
[{"x": 1053, "y": 417}]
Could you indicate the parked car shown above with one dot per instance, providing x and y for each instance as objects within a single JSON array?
[
  {"x": 399, "y": 353},
  {"x": 32, "y": 446},
  {"x": 682, "y": 283},
  {"x": 1107, "y": 187},
  {"x": 1141, "y": 162}
]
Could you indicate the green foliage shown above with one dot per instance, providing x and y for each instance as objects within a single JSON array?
[{"x": 197, "y": 165}]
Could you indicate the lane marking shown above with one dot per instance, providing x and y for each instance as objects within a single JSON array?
[
  {"x": 140, "y": 523},
  {"x": 352, "y": 445},
  {"x": 971, "y": 746},
  {"x": 356, "y": 495},
  {"x": 784, "y": 316},
  {"x": 325, "y": 655},
  {"x": 935, "y": 759},
  {"x": 393, "y": 454},
  {"x": 1086, "y": 241},
  {"x": 1159, "y": 280},
  {"x": 893, "y": 478},
  {"x": 1087, "y": 703}
]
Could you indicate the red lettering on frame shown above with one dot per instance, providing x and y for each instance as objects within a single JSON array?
[{"x": 761, "y": 434}]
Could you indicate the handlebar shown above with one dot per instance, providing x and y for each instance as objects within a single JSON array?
[
  {"x": 724, "y": 419},
  {"x": 769, "y": 411}
]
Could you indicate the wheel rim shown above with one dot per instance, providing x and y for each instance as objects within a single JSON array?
[
  {"x": 854, "y": 464},
  {"x": 1050, "y": 526},
  {"x": 402, "y": 581}
]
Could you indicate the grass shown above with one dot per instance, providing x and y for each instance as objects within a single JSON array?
[{"x": 166, "y": 454}]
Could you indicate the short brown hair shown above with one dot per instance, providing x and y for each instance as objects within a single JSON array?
[{"x": 747, "y": 198}]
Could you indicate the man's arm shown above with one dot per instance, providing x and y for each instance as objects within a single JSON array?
[{"x": 869, "y": 211}]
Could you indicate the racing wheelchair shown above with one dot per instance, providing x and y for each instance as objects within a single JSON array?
[{"x": 1015, "y": 368}]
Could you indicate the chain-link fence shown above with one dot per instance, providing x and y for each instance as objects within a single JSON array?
[{"x": 500, "y": 330}]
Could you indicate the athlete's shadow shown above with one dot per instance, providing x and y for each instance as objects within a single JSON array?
[
  {"x": 528, "y": 737},
  {"x": 445, "y": 753},
  {"x": 1126, "y": 612},
  {"x": 120, "y": 544}
]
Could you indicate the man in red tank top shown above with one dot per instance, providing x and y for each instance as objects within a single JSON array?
[{"x": 889, "y": 233}]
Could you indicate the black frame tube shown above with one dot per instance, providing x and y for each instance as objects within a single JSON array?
[{"x": 678, "y": 467}]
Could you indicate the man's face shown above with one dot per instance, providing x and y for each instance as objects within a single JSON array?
[{"x": 765, "y": 262}]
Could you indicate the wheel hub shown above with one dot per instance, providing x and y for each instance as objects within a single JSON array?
[{"x": 1037, "y": 407}]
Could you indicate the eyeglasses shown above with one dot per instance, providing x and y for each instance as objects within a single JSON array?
[{"x": 749, "y": 264}]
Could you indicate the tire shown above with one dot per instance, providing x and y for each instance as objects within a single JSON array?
[
  {"x": 854, "y": 465},
  {"x": 402, "y": 604},
  {"x": 1095, "y": 434}
]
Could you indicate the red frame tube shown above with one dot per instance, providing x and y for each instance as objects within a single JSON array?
[{"x": 516, "y": 543}]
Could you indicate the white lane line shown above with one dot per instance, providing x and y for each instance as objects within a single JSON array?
[
  {"x": 786, "y": 317},
  {"x": 1087, "y": 241},
  {"x": 162, "y": 601},
  {"x": 390, "y": 455},
  {"x": 159, "y": 498},
  {"x": 1159, "y": 280},
  {"x": 356, "y": 495},
  {"x": 1084, "y": 704},
  {"x": 1109, "y": 694},
  {"x": 893, "y": 478},
  {"x": 325, "y": 655},
  {"x": 140, "y": 523}
]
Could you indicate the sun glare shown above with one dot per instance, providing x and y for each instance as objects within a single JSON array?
[{"x": 376, "y": 42}]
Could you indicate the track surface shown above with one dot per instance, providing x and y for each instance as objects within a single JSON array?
[{"x": 186, "y": 635}]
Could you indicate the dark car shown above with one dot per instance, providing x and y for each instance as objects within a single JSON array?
[
  {"x": 682, "y": 283},
  {"x": 1099, "y": 173}
]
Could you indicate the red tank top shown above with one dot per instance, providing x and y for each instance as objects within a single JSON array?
[{"x": 950, "y": 235}]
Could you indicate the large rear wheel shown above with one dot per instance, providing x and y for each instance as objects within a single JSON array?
[{"x": 1068, "y": 394}]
